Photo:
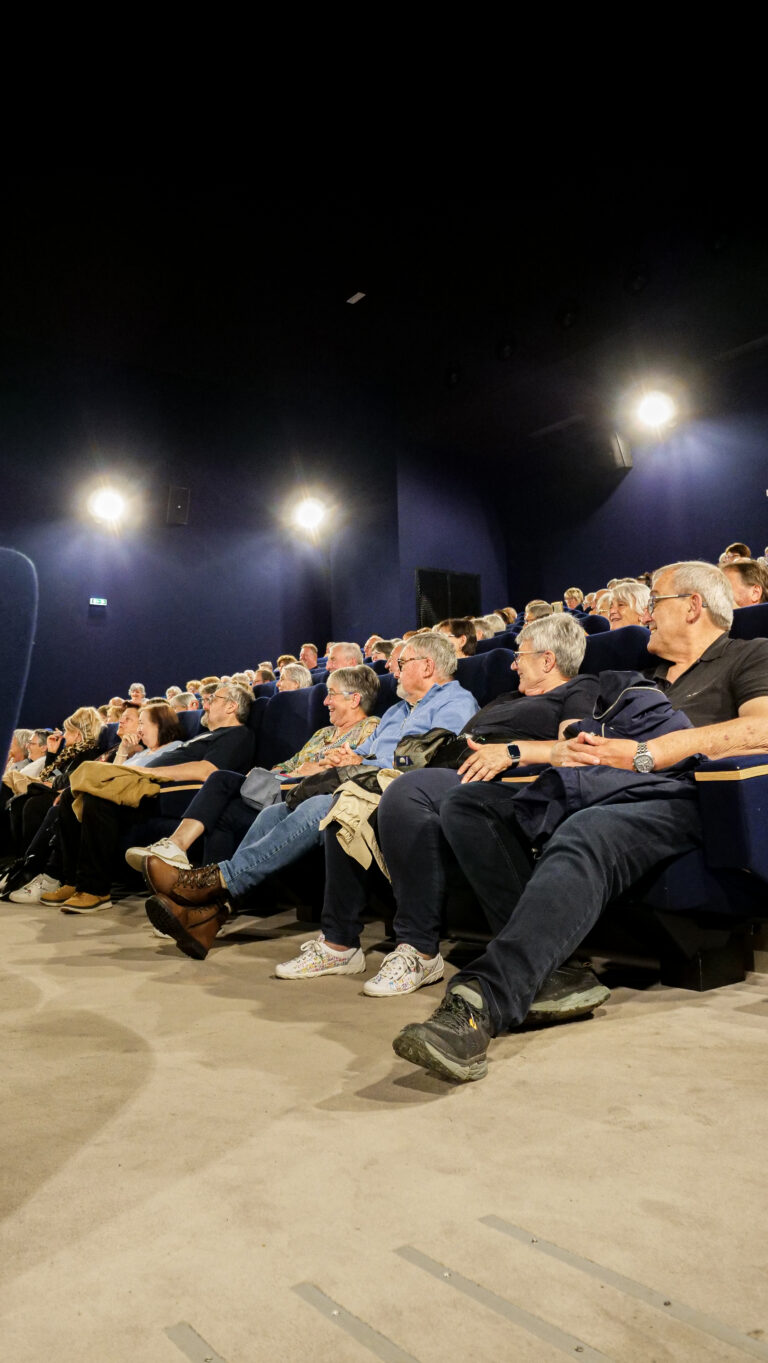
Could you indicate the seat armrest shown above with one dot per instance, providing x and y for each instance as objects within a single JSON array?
[{"x": 733, "y": 797}]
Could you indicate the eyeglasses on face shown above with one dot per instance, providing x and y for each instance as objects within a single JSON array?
[
  {"x": 529, "y": 653},
  {"x": 417, "y": 658},
  {"x": 332, "y": 695},
  {"x": 667, "y": 596}
]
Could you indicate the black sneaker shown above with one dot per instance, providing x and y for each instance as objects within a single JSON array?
[
  {"x": 572, "y": 991},
  {"x": 453, "y": 1042}
]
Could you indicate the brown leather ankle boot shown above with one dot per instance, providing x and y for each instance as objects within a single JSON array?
[
  {"x": 197, "y": 885},
  {"x": 193, "y": 929}
]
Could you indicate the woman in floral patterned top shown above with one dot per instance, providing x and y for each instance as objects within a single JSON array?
[{"x": 348, "y": 706}]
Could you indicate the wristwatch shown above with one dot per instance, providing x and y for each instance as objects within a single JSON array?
[
  {"x": 643, "y": 760},
  {"x": 514, "y": 753}
]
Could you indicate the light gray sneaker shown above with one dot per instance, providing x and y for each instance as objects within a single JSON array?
[
  {"x": 31, "y": 892},
  {"x": 165, "y": 849},
  {"x": 403, "y": 971},
  {"x": 315, "y": 958}
]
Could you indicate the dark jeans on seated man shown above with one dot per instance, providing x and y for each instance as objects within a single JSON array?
[
  {"x": 591, "y": 859},
  {"x": 420, "y": 862}
]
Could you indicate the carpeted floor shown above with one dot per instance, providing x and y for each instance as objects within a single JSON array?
[{"x": 204, "y": 1162}]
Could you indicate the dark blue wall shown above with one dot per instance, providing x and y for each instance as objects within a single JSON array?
[{"x": 687, "y": 496}]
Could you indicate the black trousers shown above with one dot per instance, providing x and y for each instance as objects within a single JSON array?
[{"x": 89, "y": 849}]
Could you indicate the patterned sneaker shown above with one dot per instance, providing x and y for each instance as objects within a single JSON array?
[
  {"x": 80, "y": 902},
  {"x": 31, "y": 892},
  {"x": 454, "y": 1041},
  {"x": 165, "y": 849},
  {"x": 316, "y": 958},
  {"x": 403, "y": 971}
]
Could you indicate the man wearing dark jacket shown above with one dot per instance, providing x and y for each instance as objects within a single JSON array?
[{"x": 597, "y": 853}]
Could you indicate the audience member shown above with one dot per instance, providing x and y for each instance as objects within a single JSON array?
[
  {"x": 628, "y": 604},
  {"x": 749, "y": 581},
  {"x": 573, "y": 598},
  {"x": 736, "y": 550},
  {"x": 294, "y": 677},
  {"x": 137, "y": 692},
  {"x": 308, "y": 655},
  {"x": 460, "y": 630},
  {"x": 536, "y": 610}
]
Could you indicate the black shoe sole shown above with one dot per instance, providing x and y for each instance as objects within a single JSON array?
[
  {"x": 160, "y": 916},
  {"x": 411, "y": 1046}
]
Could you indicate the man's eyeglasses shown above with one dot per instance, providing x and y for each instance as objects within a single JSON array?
[
  {"x": 529, "y": 653},
  {"x": 669, "y": 596},
  {"x": 417, "y": 658}
]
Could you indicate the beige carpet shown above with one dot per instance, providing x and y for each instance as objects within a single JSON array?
[{"x": 203, "y": 1162}]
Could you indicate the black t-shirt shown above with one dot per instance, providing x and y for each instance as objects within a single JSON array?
[
  {"x": 728, "y": 673},
  {"x": 515, "y": 716},
  {"x": 232, "y": 748}
]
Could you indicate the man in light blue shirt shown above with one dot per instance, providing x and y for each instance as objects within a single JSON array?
[{"x": 191, "y": 905}]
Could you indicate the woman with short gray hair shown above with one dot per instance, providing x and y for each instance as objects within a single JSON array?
[{"x": 628, "y": 604}]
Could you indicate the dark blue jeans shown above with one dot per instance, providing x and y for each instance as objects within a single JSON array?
[{"x": 595, "y": 856}]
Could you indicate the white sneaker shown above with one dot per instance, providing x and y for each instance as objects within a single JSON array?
[
  {"x": 31, "y": 892},
  {"x": 403, "y": 971},
  {"x": 165, "y": 849},
  {"x": 316, "y": 958}
]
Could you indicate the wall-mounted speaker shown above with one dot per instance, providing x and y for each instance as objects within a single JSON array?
[{"x": 177, "y": 512}]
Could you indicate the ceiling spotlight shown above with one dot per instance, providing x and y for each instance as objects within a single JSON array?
[
  {"x": 106, "y": 505},
  {"x": 655, "y": 410},
  {"x": 356, "y": 297},
  {"x": 309, "y": 514}
]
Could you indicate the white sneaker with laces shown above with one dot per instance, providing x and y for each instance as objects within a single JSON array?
[
  {"x": 403, "y": 971},
  {"x": 165, "y": 849},
  {"x": 315, "y": 958},
  {"x": 31, "y": 892}
]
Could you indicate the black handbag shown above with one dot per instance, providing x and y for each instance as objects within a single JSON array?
[{"x": 328, "y": 782}]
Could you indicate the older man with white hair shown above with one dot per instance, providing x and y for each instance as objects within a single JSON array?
[{"x": 596, "y": 854}]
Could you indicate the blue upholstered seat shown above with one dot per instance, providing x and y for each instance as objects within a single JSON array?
[
  {"x": 750, "y": 622},
  {"x": 290, "y": 718},
  {"x": 487, "y": 675},
  {"x": 593, "y": 624},
  {"x": 619, "y": 649}
]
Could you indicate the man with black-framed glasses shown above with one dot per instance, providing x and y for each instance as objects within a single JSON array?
[{"x": 596, "y": 854}]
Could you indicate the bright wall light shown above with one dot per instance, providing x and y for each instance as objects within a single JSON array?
[
  {"x": 656, "y": 410},
  {"x": 309, "y": 514},
  {"x": 105, "y": 504}
]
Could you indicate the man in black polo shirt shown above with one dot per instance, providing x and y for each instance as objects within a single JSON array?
[
  {"x": 597, "y": 853},
  {"x": 89, "y": 848}
]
